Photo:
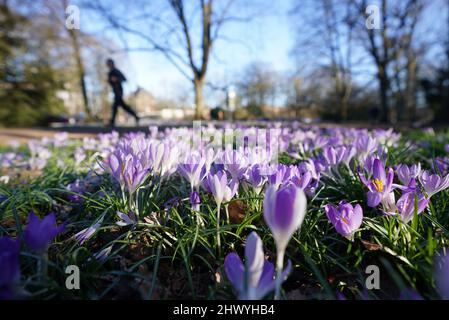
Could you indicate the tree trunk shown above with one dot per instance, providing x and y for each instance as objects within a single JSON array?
[
  {"x": 344, "y": 106},
  {"x": 383, "y": 92},
  {"x": 411, "y": 89},
  {"x": 199, "y": 98},
  {"x": 80, "y": 71}
]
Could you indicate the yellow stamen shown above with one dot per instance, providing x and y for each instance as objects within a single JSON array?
[
  {"x": 378, "y": 185},
  {"x": 344, "y": 220}
]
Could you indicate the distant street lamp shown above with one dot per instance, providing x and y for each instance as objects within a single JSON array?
[{"x": 231, "y": 96}]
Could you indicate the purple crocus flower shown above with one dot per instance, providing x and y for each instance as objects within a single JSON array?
[
  {"x": 442, "y": 275},
  {"x": 170, "y": 160},
  {"x": 365, "y": 145},
  {"x": 284, "y": 212},
  {"x": 193, "y": 169},
  {"x": 406, "y": 205},
  {"x": 222, "y": 191},
  {"x": 410, "y": 294},
  {"x": 278, "y": 176},
  {"x": 9, "y": 266},
  {"x": 126, "y": 220},
  {"x": 309, "y": 166},
  {"x": 77, "y": 188},
  {"x": 79, "y": 155},
  {"x": 221, "y": 188},
  {"x": 235, "y": 163},
  {"x": 39, "y": 234},
  {"x": 345, "y": 218},
  {"x": 254, "y": 178},
  {"x": 340, "y": 296},
  {"x": 333, "y": 156},
  {"x": 389, "y": 206},
  {"x": 406, "y": 173},
  {"x": 300, "y": 179},
  {"x": 433, "y": 183},
  {"x": 103, "y": 254},
  {"x": 134, "y": 174},
  {"x": 253, "y": 279},
  {"x": 127, "y": 169},
  {"x": 368, "y": 163},
  {"x": 441, "y": 165},
  {"x": 61, "y": 139},
  {"x": 87, "y": 233},
  {"x": 195, "y": 200},
  {"x": 380, "y": 185}
]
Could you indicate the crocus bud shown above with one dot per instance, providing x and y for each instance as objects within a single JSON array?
[
  {"x": 406, "y": 205},
  {"x": 253, "y": 279},
  {"x": 221, "y": 188},
  {"x": 284, "y": 212},
  {"x": 345, "y": 218},
  {"x": 193, "y": 169},
  {"x": 195, "y": 200},
  {"x": 125, "y": 220},
  {"x": 40, "y": 233}
]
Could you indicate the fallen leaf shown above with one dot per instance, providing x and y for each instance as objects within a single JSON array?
[
  {"x": 237, "y": 210},
  {"x": 371, "y": 246}
]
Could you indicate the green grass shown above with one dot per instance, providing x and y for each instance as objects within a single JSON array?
[{"x": 178, "y": 257}]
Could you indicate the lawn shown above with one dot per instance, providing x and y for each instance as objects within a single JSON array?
[{"x": 286, "y": 212}]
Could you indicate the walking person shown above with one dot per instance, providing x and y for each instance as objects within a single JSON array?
[{"x": 115, "y": 79}]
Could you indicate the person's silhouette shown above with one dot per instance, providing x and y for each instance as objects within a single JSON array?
[{"x": 115, "y": 79}]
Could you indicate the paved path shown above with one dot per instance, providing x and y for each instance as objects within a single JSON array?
[
  {"x": 79, "y": 131},
  {"x": 22, "y": 135}
]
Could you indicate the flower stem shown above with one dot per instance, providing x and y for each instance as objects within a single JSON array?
[
  {"x": 130, "y": 201},
  {"x": 137, "y": 204},
  {"x": 218, "y": 230},
  {"x": 279, "y": 267},
  {"x": 42, "y": 267}
]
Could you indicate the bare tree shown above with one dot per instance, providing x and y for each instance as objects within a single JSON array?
[
  {"x": 56, "y": 11},
  {"x": 389, "y": 47},
  {"x": 339, "y": 39},
  {"x": 77, "y": 54},
  {"x": 258, "y": 85},
  {"x": 329, "y": 41},
  {"x": 184, "y": 32}
]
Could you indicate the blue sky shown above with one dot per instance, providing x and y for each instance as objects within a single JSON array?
[{"x": 267, "y": 39}]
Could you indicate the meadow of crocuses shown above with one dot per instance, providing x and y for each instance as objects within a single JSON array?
[{"x": 228, "y": 212}]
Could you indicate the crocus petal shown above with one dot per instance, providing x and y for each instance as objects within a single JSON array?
[
  {"x": 442, "y": 276},
  {"x": 379, "y": 170},
  {"x": 126, "y": 220},
  {"x": 267, "y": 277},
  {"x": 102, "y": 255},
  {"x": 357, "y": 217},
  {"x": 39, "y": 234},
  {"x": 331, "y": 213},
  {"x": 374, "y": 199},
  {"x": 255, "y": 259},
  {"x": 9, "y": 262},
  {"x": 235, "y": 270}
]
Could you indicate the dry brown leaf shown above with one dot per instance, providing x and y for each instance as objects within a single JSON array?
[
  {"x": 237, "y": 210},
  {"x": 370, "y": 245}
]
